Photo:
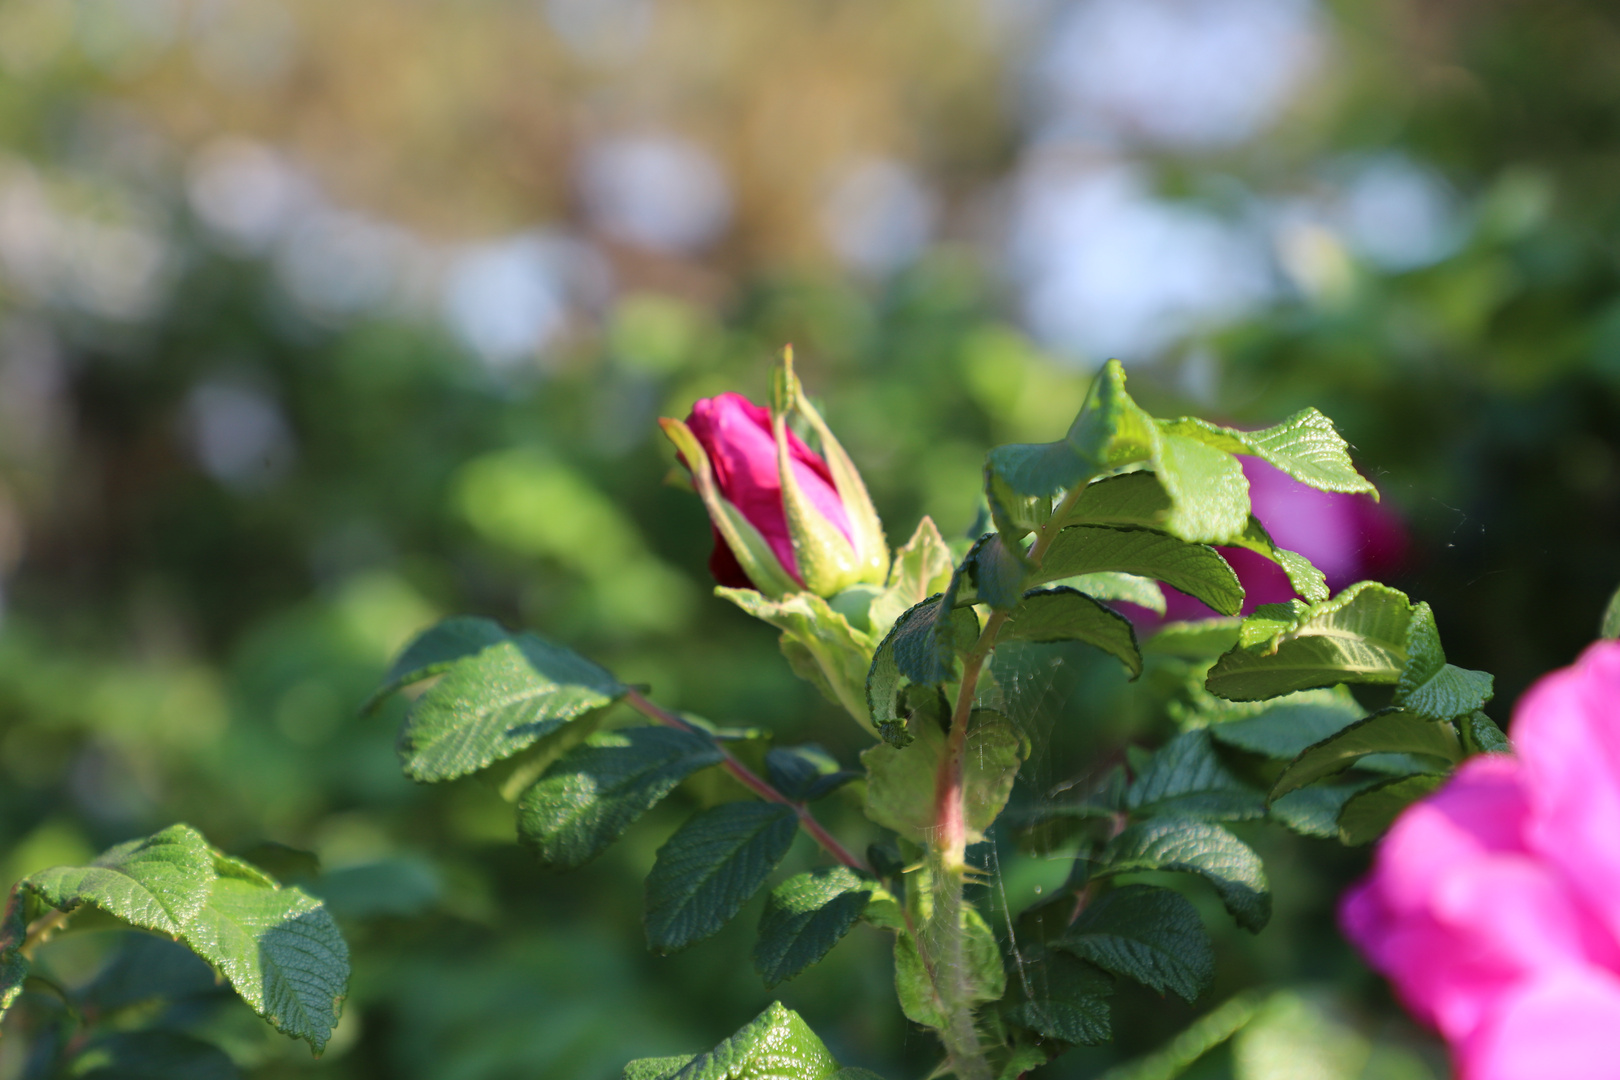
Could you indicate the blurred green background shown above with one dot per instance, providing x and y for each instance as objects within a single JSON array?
[{"x": 320, "y": 321}]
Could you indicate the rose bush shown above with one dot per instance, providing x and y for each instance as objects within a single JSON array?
[{"x": 1494, "y": 905}]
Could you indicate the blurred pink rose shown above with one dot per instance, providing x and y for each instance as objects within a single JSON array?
[
  {"x": 1494, "y": 904},
  {"x": 736, "y": 434},
  {"x": 1348, "y": 537}
]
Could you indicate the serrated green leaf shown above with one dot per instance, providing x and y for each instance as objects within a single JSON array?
[
  {"x": 279, "y": 948},
  {"x": 1431, "y": 688},
  {"x": 841, "y": 654},
  {"x": 1370, "y": 813},
  {"x": 805, "y": 917},
  {"x": 805, "y": 773},
  {"x": 1288, "y": 724},
  {"x": 1035, "y": 470},
  {"x": 916, "y": 651},
  {"x": 1314, "y": 811},
  {"x": 1186, "y": 777},
  {"x": 1196, "y": 569},
  {"x": 1068, "y": 1001},
  {"x": 152, "y": 1055},
  {"x": 709, "y": 869},
  {"x": 437, "y": 649},
  {"x": 1209, "y": 496},
  {"x": 920, "y": 569},
  {"x": 1150, "y": 935},
  {"x": 494, "y": 703},
  {"x": 158, "y": 882},
  {"x": 1062, "y": 614},
  {"x": 1305, "y": 578},
  {"x": 590, "y": 795},
  {"x": 1483, "y": 736},
  {"x": 998, "y": 571},
  {"x": 1610, "y": 629},
  {"x": 1108, "y": 585},
  {"x": 1133, "y": 500},
  {"x": 1305, "y": 446},
  {"x": 1358, "y": 636},
  {"x": 1196, "y": 847},
  {"x": 776, "y": 1045},
  {"x": 657, "y": 1068},
  {"x": 1390, "y": 731},
  {"x": 900, "y": 782}
]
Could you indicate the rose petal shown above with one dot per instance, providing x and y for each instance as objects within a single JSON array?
[{"x": 1564, "y": 1025}]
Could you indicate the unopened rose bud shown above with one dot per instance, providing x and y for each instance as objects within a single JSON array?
[{"x": 785, "y": 518}]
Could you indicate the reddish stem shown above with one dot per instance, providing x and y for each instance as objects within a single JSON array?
[{"x": 752, "y": 781}]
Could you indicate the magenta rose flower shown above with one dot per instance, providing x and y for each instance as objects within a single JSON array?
[
  {"x": 785, "y": 518},
  {"x": 1348, "y": 537},
  {"x": 1493, "y": 905}
]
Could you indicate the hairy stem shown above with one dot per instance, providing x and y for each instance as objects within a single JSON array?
[
  {"x": 948, "y": 847},
  {"x": 753, "y": 782}
]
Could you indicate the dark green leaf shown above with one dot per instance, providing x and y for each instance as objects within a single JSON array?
[
  {"x": 1196, "y": 569},
  {"x": 1314, "y": 811},
  {"x": 1358, "y": 636},
  {"x": 915, "y": 651},
  {"x": 1390, "y": 731},
  {"x": 436, "y": 650},
  {"x": 1196, "y": 847},
  {"x": 805, "y": 917},
  {"x": 490, "y": 705},
  {"x": 709, "y": 869},
  {"x": 805, "y": 773},
  {"x": 775, "y": 1045},
  {"x": 152, "y": 1055},
  {"x": 1431, "y": 688},
  {"x": 13, "y": 968},
  {"x": 998, "y": 571},
  {"x": 1068, "y": 1001},
  {"x": 1062, "y": 614},
  {"x": 1287, "y": 725},
  {"x": 1369, "y": 814},
  {"x": 1305, "y": 446},
  {"x": 920, "y": 569},
  {"x": 1107, "y": 585},
  {"x": 1151, "y": 935},
  {"x": 595, "y": 791},
  {"x": 1186, "y": 777},
  {"x": 1035, "y": 470},
  {"x": 1483, "y": 736}
]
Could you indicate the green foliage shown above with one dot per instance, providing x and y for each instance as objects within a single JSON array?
[
  {"x": 496, "y": 694},
  {"x": 900, "y": 782},
  {"x": 1150, "y": 935},
  {"x": 922, "y": 568},
  {"x": 824, "y": 648},
  {"x": 805, "y": 916},
  {"x": 710, "y": 868},
  {"x": 921, "y": 648},
  {"x": 775, "y": 1045},
  {"x": 593, "y": 793},
  {"x": 1062, "y": 614},
  {"x": 277, "y": 946},
  {"x": 805, "y": 773},
  {"x": 1070, "y": 1002},
  {"x": 1196, "y": 569},
  {"x": 1430, "y": 687},
  {"x": 981, "y": 977},
  {"x": 1284, "y": 726},
  {"x": 1196, "y": 847},
  {"x": 1186, "y": 777},
  {"x": 1392, "y": 731},
  {"x": 1369, "y": 814}
]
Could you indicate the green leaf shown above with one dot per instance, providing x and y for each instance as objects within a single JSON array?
[
  {"x": 805, "y": 773},
  {"x": 1068, "y": 1001},
  {"x": 657, "y": 1068},
  {"x": 152, "y": 1055},
  {"x": 900, "y": 782},
  {"x": 436, "y": 650},
  {"x": 1358, "y": 636},
  {"x": 13, "y": 968},
  {"x": 921, "y": 648},
  {"x": 805, "y": 917},
  {"x": 1151, "y": 935},
  {"x": 1186, "y": 777},
  {"x": 1314, "y": 811},
  {"x": 1610, "y": 629},
  {"x": 1305, "y": 446},
  {"x": 775, "y": 1045},
  {"x": 1202, "y": 639},
  {"x": 998, "y": 571},
  {"x": 1108, "y": 585},
  {"x": 1134, "y": 500},
  {"x": 1288, "y": 724},
  {"x": 1306, "y": 579},
  {"x": 1196, "y": 569},
  {"x": 920, "y": 569},
  {"x": 1389, "y": 731},
  {"x": 1431, "y": 688},
  {"x": 915, "y": 990},
  {"x": 1482, "y": 736},
  {"x": 840, "y": 653},
  {"x": 1062, "y": 614},
  {"x": 709, "y": 869},
  {"x": 280, "y": 949},
  {"x": 1209, "y": 496},
  {"x": 1369, "y": 814},
  {"x": 498, "y": 701},
  {"x": 983, "y": 978},
  {"x": 1196, "y": 847},
  {"x": 595, "y": 791}
]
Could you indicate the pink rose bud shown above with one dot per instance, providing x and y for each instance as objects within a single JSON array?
[
  {"x": 1348, "y": 537},
  {"x": 785, "y": 518},
  {"x": 1493, "y": 905}
]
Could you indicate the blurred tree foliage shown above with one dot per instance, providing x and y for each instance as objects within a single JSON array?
[{"x": 190, "y": 642}]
